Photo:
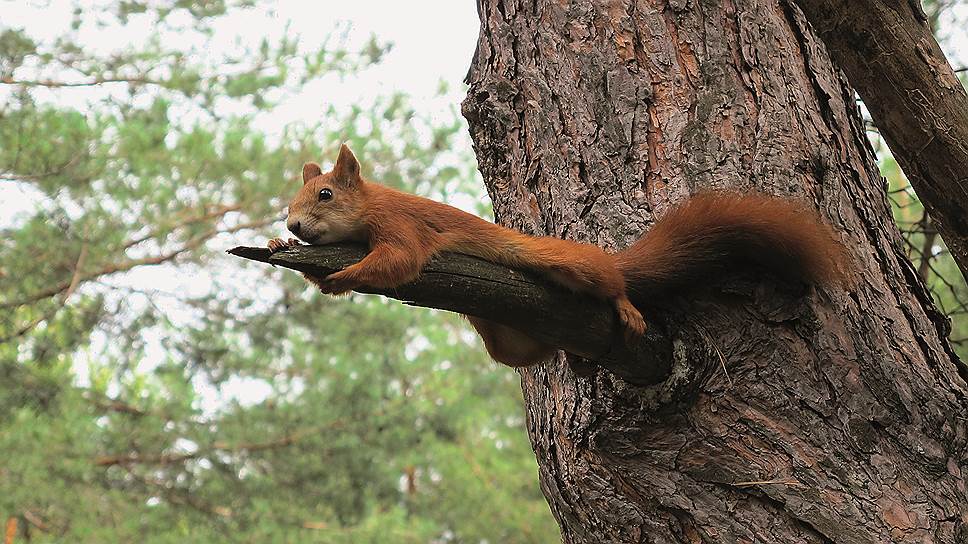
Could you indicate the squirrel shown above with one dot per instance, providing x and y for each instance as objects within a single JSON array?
[{"x": 710, "y": 232}]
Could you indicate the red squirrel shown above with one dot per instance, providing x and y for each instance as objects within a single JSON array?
[{"x": 711, "y": 231}]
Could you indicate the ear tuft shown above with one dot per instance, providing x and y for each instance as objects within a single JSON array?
[
  {"x": 347, "y": 169},
  {"x": 311, "y": 170}
]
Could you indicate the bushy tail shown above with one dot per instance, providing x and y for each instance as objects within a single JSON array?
[{"x": 714, "y": 233}]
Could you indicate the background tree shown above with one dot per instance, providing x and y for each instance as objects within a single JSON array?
[
  {"x": 799, "y": 417},
  {"x": 235, "y": 405},
  {"x": 890, "y": 56},
  {"x": 927, "y": 251}
]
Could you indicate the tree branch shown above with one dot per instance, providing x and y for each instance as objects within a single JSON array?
[
  {"x": 136, "y": 458},
  {"x": 90, "y": 83},
  {"x": 576, "y": 323},
  {"x": 123, "y": 266},
  {"x": 926, "y": 247},
  {"x": 918, "y": 103},
  {"x": 46, "y": 316},
  {"x": 175, "y": 458}
]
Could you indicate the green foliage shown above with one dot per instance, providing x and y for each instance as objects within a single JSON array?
[
  {"x": 923, "y": 245},
  {"x": 154, "y": 389},
  {"x": 928, "y": 253}
]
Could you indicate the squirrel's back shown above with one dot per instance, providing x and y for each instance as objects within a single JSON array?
[{"x": 712, "y": 233}]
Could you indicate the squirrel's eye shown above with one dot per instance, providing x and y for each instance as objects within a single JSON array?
[{"x": 325, "y": 194}]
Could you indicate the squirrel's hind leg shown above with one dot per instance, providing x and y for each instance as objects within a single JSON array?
[
  {"x": 509, "y": 346},
  {"x": 629, "y": 316}
]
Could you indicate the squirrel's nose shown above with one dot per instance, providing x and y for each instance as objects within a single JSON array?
[{"x": 293, "y": 227}]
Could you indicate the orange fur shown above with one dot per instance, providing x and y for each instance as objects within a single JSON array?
[
  {"x": 712, "y": 233},
  {"x": 510, "y": 346},
  {"x": 709, "y": 233}
]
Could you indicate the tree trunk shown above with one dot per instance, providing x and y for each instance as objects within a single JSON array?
[
  {"x": 819, "y": 416},
  {"x": 890, "y": 56}
]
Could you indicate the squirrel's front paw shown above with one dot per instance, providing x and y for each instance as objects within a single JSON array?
[{"x": 277, "y": 244}]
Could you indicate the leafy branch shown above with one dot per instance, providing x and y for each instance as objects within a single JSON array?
[{"x": 123, "y": 266}]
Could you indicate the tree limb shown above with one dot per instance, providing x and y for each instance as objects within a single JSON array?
[
  {"x": 576, "y": 323},
  {"x": 124, "y": 266},
  {"x": 46, "y": 316},
  {"x": 90, "y": 83},
  {"x": 918, "y": 103}
]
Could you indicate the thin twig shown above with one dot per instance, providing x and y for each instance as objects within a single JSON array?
[
  {"x": 46, "y": 316},
  {"x": 192, "y": 243}
]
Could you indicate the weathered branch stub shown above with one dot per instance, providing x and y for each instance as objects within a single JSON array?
[{"x": 459, "y": 283}]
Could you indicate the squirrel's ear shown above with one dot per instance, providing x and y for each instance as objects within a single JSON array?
[
  {"x": 310, "y": 170},
  {"x": 347, "y": 169}
]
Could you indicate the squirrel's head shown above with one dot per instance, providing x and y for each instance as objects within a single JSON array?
[{"x": 327, "y": 207}]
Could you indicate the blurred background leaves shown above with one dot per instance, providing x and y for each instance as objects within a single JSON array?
[
  {"x": 156, "y": 390},
  {"x": 923, "y": 245}
]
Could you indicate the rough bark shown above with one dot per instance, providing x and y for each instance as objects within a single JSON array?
[
  {"x": 830, "y": 417},
  {"x": 579, "y": 324},
  {"x": 917, "y": 102}
]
